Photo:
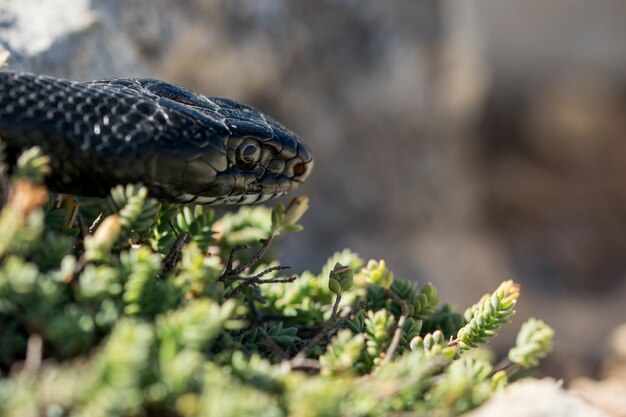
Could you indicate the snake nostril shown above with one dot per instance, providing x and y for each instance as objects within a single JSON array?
[{"x": 299, "y": 168}]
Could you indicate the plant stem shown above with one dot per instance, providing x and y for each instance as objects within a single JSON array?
[
  {"x": 313, "y": 342},
  {"x": 395, "y": 342}
]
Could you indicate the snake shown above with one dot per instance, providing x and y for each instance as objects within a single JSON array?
[{"x": 184, "y": 147}]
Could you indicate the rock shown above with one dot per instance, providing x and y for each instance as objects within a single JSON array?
[
  {"x": 67, "y": 39},
  {"x": 5, "y": 58},
  {"x": 537, "y": 398},
  {"x": 609, "y": 394}
]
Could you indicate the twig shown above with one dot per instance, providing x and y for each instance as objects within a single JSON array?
[
  {"x": 346, "y": 313},
  {"x": 313, "y": 342},
  {"x": 172, "y": 256},
  {"x": 171, "y": 224},
  {"x": 267, "y": 271},
  {"x": 232, "y": 274},
  {"x": 335, "y": 307},
  {"x": 503, "y": 365},
  {"x": 95, "y": 223},
  {"x": 231, "y": 258},
  {"x": 248, "y": 281},
  {"x": 264, "y": 244},
  {"x": 258, "y": 296},
  {"x": 399, "y": 326}
]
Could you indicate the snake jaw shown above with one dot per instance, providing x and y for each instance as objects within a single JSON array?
[{"x": 231, "y": 200}]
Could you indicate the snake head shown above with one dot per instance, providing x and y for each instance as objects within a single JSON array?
[
  {"x": 265, "y": 160},
  {"x": 241, "y": 155}
]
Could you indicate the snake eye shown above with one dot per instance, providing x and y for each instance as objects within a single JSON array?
[{"x": 248, "y": 155}]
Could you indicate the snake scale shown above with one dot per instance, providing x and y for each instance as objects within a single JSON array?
[{"x": 185, "y": 147}]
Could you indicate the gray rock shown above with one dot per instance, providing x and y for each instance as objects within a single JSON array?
[
  {"x": 64, "y": 38},
  {"x": 537, "y": 398}
]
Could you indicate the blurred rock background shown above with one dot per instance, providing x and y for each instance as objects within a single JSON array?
[{"x": 464, "y": 141}]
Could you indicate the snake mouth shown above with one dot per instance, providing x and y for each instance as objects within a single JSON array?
[
  {"x": 230, "y": 199},
  {"x": 267, "y": 175},
  {"x": 234, "y": 186}
]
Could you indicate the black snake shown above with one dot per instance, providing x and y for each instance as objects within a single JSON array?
[{"x": 183, "y": 146}]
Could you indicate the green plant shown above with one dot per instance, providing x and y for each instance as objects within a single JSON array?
[{"x": 167, "y": 310}]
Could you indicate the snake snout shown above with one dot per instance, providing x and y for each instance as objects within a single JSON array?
[{"x": 299, "y": 168}]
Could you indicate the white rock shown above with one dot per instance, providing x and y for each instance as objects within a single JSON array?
[{"x": 537, "y": 398}]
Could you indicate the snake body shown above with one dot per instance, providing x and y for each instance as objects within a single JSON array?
[{"x": 185, "y": 147}]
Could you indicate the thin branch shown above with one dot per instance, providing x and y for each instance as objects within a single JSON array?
[
  {"x": 505, "y": 365},
  {"x": 275, "y": 280},
  {"x": 256, "y": 258},
  {"x": 267, "y": 271},
  {"x": 395, "y": 342},
  {"x": 254, "y": 280},
  {"x": 231, "y": 258},
  {"x": 95, "y": 223},
  {"x": 258, "y": 296},
  {"x": 315, "y": 340},
  {"x": 172, "y": 256},
  {"x": 346, "y": 313},
  {"x": 335, "y": 307}
]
